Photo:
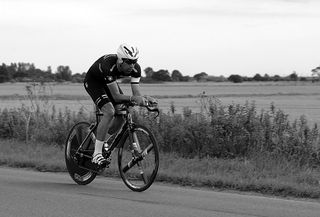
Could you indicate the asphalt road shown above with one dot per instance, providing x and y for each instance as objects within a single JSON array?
[{"x": 25, "y": 193}]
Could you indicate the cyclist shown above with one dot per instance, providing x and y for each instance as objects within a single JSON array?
[{"x": 101, "y": 84}]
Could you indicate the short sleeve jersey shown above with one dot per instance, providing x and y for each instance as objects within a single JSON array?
[{"x": 105, "y": 70}]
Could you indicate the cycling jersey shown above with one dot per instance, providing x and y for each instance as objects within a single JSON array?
[{"x": 104, "y": 71}]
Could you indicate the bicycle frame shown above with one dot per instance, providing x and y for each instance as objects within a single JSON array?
[{"x": 128, "y": 125}]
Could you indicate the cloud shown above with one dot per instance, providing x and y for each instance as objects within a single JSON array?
[{"x": 233, "y": 8}]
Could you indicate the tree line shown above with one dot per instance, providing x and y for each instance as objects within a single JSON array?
[{"x": 25, "y": 72}]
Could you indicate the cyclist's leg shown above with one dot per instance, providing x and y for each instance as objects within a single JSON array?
[
  {"x": 98, "y": 94},
  {"x": 117, "y": 123},
  {"x": 103, "y": 127},
  {"x": 105, "y": 122},
  {"x": 118, "y": 120}
]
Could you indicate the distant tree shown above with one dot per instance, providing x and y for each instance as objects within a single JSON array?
[
  {"x": 78, "y": 78},
  {"x": 185, "y": 78},
  {"x": 161, "y": 75},
  {"x": 235, "y": 78},
  {"x": 316, "y": 74},
  {"x": 49, "y": 70},
  {"x": 303, "y": 79},
  {"x": 149, "y": 72},
  {"x": 276, "y": 78},
  {"x": 47, "y": 75},
  {"x": 63, "y": 73},
  {"x": 266, "y": 77},
  {"x": 24, "y": 70},
  {"x": 176, "y": 75},
  {"x": 246, "y": 78},
  {"x": 293, "y": 76},
  {"x": 12, "y": 70},
  {"x": 4, "y": 74},
  {"x": 257, "y": 77},
  {"x": 200, "y": 76}
]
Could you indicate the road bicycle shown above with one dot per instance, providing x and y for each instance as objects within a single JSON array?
[{"x": 138, "y": 153}]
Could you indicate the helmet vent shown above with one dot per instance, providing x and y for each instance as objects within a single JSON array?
[{"x": 129, "y": 51}]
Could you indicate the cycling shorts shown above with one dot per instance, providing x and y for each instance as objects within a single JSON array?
[{"x": 100, "y": 93}]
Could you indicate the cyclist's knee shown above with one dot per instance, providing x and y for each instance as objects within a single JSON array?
[{"x": 108, "y": 109}]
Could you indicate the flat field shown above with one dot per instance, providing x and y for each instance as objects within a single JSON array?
[{"x": 295, "y": 98}]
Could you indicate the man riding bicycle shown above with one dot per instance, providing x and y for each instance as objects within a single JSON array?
[{"x": 101, "y": 84}]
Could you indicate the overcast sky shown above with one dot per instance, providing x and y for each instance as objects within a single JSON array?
[{"x": 219, "y": 37}]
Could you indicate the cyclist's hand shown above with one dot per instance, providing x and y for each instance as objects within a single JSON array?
[{"x": 139, "y": 100}]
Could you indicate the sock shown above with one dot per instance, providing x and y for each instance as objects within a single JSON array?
[
  {"x": 98, "y": 147},
  {"x": 105, "y": 146}
]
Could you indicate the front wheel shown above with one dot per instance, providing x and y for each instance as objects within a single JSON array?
[
  {"x": 76, "y": 135},
  {"x": 138, "y": 164}
]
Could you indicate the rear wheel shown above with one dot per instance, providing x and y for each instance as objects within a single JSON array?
[
  {"x": 76, "y": 135},
  {"x": 138, "y": 166}
]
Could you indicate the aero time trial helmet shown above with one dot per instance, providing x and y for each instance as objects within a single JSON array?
[{"x": 126, "y": 51}]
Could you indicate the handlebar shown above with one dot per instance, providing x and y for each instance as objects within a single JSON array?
[{"x": 151, "y": 107}]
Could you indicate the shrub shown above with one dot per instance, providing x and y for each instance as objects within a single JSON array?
[
  {"x": 235, "y": 78},
  {"x": 233, "y": 131}
]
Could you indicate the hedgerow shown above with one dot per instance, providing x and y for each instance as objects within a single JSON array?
[
  {"x": 236, "y": 131},
  {"x": 219, "y": 131}
]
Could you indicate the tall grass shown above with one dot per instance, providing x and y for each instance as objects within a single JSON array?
[
  {"x": 233, "y": 131},
  {"x": 39, "y": 121},
  {"x": 236, "y": 131}
]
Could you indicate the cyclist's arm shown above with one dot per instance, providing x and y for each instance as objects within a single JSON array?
[
  {"x": 135, "y": 87},
  {"x": 136, "y": 91},
  {"x": 117, "y": 96}
]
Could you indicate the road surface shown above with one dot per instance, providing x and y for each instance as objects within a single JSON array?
[{"x": 25, "y": 193}]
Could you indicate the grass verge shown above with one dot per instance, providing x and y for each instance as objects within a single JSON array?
[{"x": 261, "y": 174}]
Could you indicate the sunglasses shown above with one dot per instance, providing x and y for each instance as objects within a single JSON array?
[{"x": 129, "y": 61}]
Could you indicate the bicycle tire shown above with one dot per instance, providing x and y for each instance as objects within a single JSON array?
[
  {"x": 141, "y": 175},
  {"x": 75, "y": 137}
]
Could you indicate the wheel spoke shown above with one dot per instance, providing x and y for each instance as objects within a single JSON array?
[
  {"x": 144, "y": 177},
  {"x": 131, "y": 163},
  {"x": 147, "y": 150}
]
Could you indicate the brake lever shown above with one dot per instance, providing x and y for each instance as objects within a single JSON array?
[{"x": 151, "y": 108}]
